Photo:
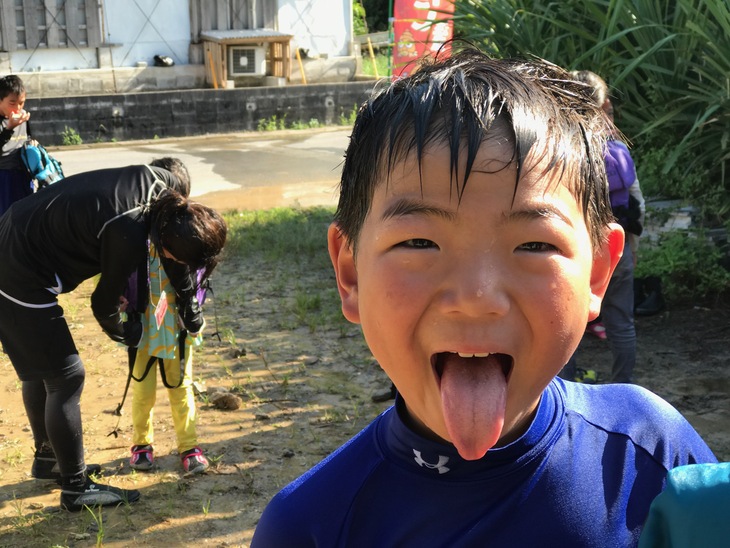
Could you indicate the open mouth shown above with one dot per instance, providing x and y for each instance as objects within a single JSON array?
[{"x": 505, "y": 361}]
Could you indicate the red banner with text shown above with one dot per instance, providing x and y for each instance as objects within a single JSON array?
[{"x": 420, "y": 28}]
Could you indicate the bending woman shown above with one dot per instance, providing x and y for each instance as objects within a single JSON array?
[{"x": 93, "y": 223}]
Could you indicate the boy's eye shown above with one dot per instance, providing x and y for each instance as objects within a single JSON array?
[
  {"x": 537, "y": 247},
  {"x": 418, "y": 243}
]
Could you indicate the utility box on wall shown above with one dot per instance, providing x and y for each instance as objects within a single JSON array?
[{"x": 246, "y": 61}]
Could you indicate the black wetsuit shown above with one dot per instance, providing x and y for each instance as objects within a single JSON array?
[{"x": 85, "y": 225}]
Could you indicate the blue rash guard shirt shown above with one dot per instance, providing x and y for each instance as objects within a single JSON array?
[{"x": 584, "y": 474}]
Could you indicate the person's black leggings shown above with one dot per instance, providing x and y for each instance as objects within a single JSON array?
[
  {"x": 40, "y": 346},
  {"x": 54, "y": 412}
]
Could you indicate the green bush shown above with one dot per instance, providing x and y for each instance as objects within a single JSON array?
[
  {"x": 312, "y": 124},
  {"x": 359, "y": 23},
  {"x": 348, "y": 118},
  {"x": 69, "y": 136},
  {"x": 689, "y": 264},
  {"x": 273, "y": 123},
  {"x": 695, "y": 187},
  {"x": 378, "y": 13}
]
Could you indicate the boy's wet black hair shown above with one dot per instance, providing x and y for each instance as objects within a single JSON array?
[
  {"x": 193, "y": 233},
  {"x": 463, "y": 101},
  {"x": 178, "y": 169},
  {"x": 11, "y": 84},
  {"x": 598, "y": 89}
]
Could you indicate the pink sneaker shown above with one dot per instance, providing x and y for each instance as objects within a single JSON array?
[
  {"x": 194, "y": 461},
  {"x": 143, "y": 457},
  {"x": 597, "y": 329}
]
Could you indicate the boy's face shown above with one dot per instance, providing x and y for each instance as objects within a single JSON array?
[
  {"x": 472, "y": 308},
  {"x": 12, "y": 103}
]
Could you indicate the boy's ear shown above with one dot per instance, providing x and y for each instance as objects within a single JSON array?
[
  {"x": 343, "y": 261},
  {"x": 605, "y": 260}
]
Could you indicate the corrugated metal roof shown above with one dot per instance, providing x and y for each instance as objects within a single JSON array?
[{"x": 220, "y": 35}]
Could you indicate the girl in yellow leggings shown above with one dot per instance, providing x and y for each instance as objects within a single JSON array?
[
  {"x": 182, "y": 406},
  {"x": 169, "y": 346}
]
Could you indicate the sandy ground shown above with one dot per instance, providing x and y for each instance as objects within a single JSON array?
[{"x": 305, "y": 384}]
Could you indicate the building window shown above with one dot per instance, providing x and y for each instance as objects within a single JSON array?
[{"x": 49, "y": 24}]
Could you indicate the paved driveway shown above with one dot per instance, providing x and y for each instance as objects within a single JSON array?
[{"x": 236, "y": 171}]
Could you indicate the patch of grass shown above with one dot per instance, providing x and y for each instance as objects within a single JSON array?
[
  {"x": 312, "y": 124},
  {"x": 12, "y": 453},
  {"x": 272, "y": 123},
  {"x": 275, "y": 123},
  {"x": 20, "y": 520},
  {"x": 289, "y": 243},
  {"x": 381, "y": 64},
  {"x": 307, "y": 308},
  {"x": 69, "y": 136},
  {"x": 71, "y": 308},
  {"x": 228, "y": 336},
  {"x": 97, "y": 525},
  {"x": 348, "y": 118},
  {"x": 288, "y": 235},
  {"x": 29, "y": 525}
]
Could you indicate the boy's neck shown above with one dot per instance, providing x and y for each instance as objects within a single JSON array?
[{"x": 419, "y": 428}]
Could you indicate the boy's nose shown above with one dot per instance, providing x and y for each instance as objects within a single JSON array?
[{"x": 477, "y": 287}]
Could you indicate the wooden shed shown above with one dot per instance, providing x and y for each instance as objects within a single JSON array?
[{"x": 245, "y": 53}]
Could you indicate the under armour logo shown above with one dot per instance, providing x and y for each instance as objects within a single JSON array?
[{"x": 438, "y": 466}]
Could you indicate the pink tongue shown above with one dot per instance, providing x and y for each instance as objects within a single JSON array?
[{"x": 473, "y": 397}]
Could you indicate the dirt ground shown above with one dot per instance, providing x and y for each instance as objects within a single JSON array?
[{"x": 304, "y": 391}]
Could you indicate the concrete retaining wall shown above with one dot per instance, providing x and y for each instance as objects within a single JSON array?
[{"x": 183, "y": 113}]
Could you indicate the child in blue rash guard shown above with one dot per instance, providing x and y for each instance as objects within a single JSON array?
[{"x": 473, "y": 241}]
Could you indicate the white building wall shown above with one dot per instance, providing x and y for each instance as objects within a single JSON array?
[
  {"x": 42, "y": 60},
  {"x": 141, "y": 29},
  {"x": 146, "y": 28},
  {"x": 323, "y": 27}
]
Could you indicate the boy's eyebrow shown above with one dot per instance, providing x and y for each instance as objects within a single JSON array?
[
  {"x": 405, "y": 206},
  {"x": 541, "y": 212}
]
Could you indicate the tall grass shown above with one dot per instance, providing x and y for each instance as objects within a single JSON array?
[{"x": 668, "y": 64}]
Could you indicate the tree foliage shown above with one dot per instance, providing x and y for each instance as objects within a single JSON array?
[
  {"x": 667, "y": 62},
  {"x": 359, "y": 20},
  {"x": 377, "y": 14}
]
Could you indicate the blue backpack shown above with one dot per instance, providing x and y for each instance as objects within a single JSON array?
[{"x": 44, "y": 168}]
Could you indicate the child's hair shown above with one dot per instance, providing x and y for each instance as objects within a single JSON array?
[
  {"x": 597, "y": 87},
  {"x": 178, "y": 169},
  {"x": 463, "y": 101},
  {"x": 193, "y": 233},
  {"x": 11, "y": 84}
]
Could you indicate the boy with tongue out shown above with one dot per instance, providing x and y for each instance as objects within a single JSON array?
[{"x": 473, "y": 241}]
